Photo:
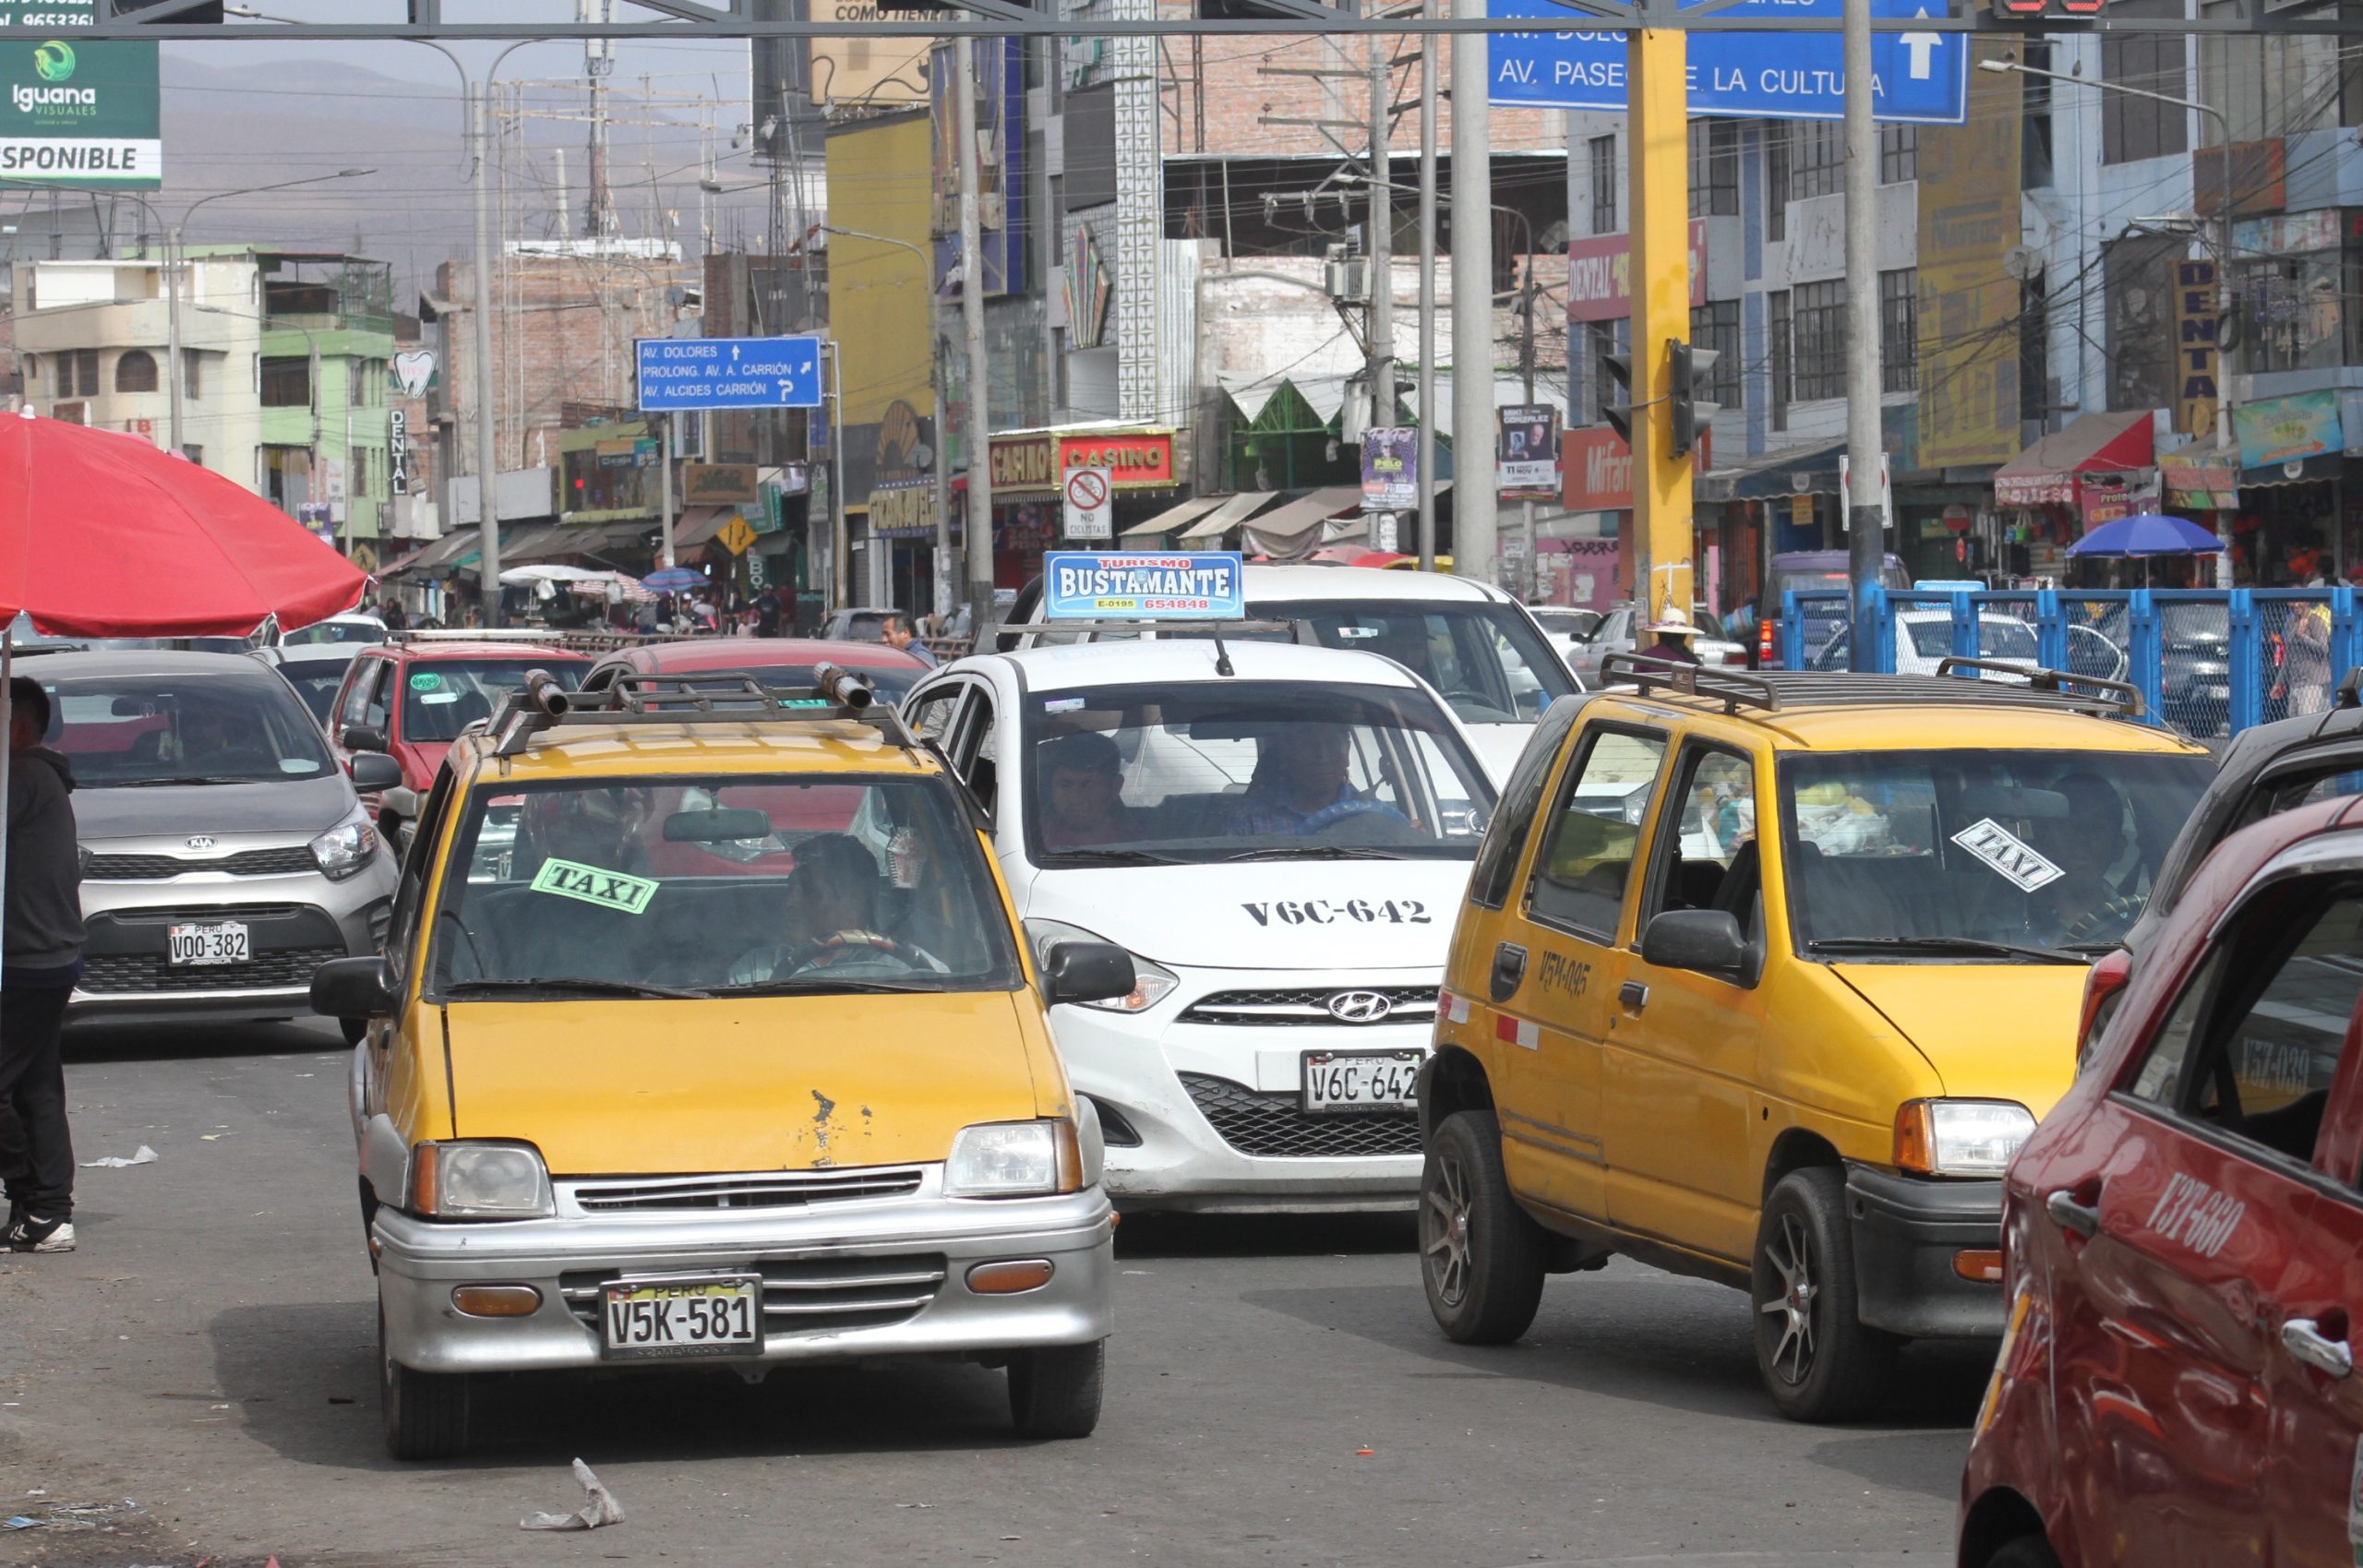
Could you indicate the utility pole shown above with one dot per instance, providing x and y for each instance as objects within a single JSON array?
[
  {"x": 979, "y": 543},
  {"x": 1473, "y": 540},
  {"x": 1658, "y": 125},
  {"x": 488, "y": 460},
  {"x": 1866, "y": 517},
  {"x": 1527, "y": 561},
  {"x": 1379, "y": 242},
  {"x": 1426, "y": 519}
]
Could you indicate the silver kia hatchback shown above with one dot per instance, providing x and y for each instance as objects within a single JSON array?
[{"x": 224, "y": 854}]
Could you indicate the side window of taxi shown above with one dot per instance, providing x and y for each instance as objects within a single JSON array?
[
  {"x": 1497, "y": 857},
  {"x": 1580, "y": 878},
  {"x": 2252, "y": 1047},
  {"x": 1710, "y": 860},
  {"x": 931, "y": 717},
  {"x": 418, "y": 867},
  {"x": 380, "y": 703}
]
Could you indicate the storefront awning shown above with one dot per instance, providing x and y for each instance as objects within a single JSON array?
[
  {"x": 698, "y": 524},
  {"x": 1233, "y": 510},
  {"x": 1792, "y": 470},
  {"x": 2047, "y": 474},
  {"x": 1292, "y": 528},
  {"x": 442, "y": 552},
  {"x": 2317, "y": 470},
  {"x": 1175, "y": 517}
]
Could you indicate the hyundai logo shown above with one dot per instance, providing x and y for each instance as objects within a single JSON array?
[
  {"x": 1359, "y": 1007},
  {"x": 202, "y": 841}
]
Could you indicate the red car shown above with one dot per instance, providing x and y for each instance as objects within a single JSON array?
[
  {"x": 2184, "y": 1241},
  {"x": 411, "y": 697},
  {"x": 774, "y": 661}
]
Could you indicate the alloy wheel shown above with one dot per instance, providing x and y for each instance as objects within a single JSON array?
[
  {"x": 1444, "y": 1229},
  {"x": 1791, "y": 1255}
]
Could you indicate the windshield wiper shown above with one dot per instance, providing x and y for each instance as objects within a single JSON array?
[
  {"x": 1114, "y": 857},
  {"x": 814, "y": 984},
  {"x": 184, "y": 779},
  {"x": 1968, "y": 947},
  {"x": 1319, "y": 852},
  {"x": 586, "y": 983}
]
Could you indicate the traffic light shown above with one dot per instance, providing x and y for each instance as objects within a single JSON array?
[
  {"x": 1685, "y": 366},
  {"x": 1619, "y": 415}
]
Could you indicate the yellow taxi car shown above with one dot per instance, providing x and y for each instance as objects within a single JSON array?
[
  {"x": 704, "y": 1034},
  {"x": 1764, "y": 979}
]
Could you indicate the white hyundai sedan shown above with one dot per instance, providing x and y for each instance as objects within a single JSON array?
[{"x": 1279, "y": 836}]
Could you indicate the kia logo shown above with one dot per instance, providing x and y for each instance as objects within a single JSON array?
[
  {"x": 1359, "y": 1007},
  {"x": 202, "y": 841}
]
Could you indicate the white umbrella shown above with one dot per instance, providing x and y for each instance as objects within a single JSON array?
[{"x": 516, "y": 577}]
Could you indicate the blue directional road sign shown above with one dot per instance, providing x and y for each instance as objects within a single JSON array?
[
  {"x": 1917, "y": 77},
  {"x": 694, "y": 373}
]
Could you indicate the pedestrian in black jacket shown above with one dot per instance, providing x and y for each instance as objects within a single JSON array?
[{"x": 40, "y": 958}]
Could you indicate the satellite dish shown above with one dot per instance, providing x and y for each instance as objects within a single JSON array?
[{"x": 2022, "y": 262}]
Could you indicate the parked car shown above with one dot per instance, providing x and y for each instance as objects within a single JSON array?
[
  {"x": 862, "y": 623},
  {"x": 410, "y": 695},
  {"x": 335, "y": 629},
  {"x": 224, "y": 854},
  {"x": 1564, "y": 629},
  {"x": 1811, "y": 572},
  {"x": 774, "y": 661},
  {"x": 1623, "y": 630},
  {"x": 2183, "y": 1243},
  {"x": 1762, "y": 979}
]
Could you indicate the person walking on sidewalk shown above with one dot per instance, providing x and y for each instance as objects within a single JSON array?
[{"x": 40, "y": 958}]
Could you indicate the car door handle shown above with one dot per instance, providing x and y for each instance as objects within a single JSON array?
[
  {"x": 1634, "y": 995},
  {"x": 1509, "y": 970},
  {"x": 2084, "y": 1219},
  {"x": 2303, "y": 1338}
]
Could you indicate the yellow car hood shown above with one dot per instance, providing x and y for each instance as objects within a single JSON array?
[
  {"x": 1992, "y": 1031},
  {"x": 647, "y": 1088}
]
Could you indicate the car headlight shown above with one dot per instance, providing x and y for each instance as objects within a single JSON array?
[
  {"x": 344, "y": 849},
  {"x": 1152, "y": 983},
  {"x": 1959, "y": 1137},
  {"x": 1014, "y": 1159},
  {"x": 480, "y": 1181}
]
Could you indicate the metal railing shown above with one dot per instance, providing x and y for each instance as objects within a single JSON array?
[{"x": 2208, "y": 662}]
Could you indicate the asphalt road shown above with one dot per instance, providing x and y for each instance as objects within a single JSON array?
[{"x": 208, "y": 1356}]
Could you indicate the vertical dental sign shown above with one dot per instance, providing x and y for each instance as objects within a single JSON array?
[{"x": 79, "y": 111}]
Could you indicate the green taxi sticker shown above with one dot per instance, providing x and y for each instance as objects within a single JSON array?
[
  {"x": 608, "y": 890},
  {"x": 806, "y": 703},
  {"x": 425, "y": 680}
]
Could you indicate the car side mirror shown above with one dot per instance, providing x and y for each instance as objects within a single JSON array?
[
  {"x": 374, "y": 771},
  {"x": 364, "y": 737},
  {"x": 353, "y": 987},
  {"x": 1088, "y": 972},
  {"x": 1707, "y": 940}
]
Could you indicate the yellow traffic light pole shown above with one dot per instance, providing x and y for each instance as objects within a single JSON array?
[{"x": 1658, "y": 125}]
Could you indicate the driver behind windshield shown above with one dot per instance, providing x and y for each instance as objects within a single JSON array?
[
  {"x": 1300, "y": 782},
  {"x": 213, "y": 740},
  {"x": 1083, "y": 779},
  {"x": 832, "y": 899},
  {"x": 2081, "y": 906}
]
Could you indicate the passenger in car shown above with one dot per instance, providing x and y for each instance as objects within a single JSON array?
[{"x": 1083, "y": 781}]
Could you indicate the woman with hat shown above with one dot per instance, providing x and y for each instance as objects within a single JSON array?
[{"x": 1674, "y": 632}]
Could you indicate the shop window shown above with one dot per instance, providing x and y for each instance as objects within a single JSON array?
[
  {"x": 1601, "y": 339},
  {"x": 135, "y": 371},
  {"x": 1776, "y": 355},
  {"x": 287, "y": 382},
  {"x": 1776, "y": 180},
  {"x": 1900, "y": 330},
  {"x": 1603, "y": 184},
  {"x": 2035, "y": 130},
  {"x": 1817, "y": 158},
  {"x": 1714, "y": 168},
  {"x": 2134, "y": 128},
  {"x": 2290, "y": 314},
  {"x": 1818, "y": 328},
  {"x": 1898, "y": 154},
  {"x": 1715, "y": 326}
]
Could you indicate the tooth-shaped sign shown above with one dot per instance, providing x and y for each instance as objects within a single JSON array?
[{"x": 414, "y": 369}]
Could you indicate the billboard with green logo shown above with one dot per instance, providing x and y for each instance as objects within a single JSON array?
[{"x": 78, "y": 113}]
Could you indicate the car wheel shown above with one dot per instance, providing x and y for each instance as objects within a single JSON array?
[
  {"x": 1055, "y": 1392},
  {"x": 1818, "y": 1361},
  {"x": 2027, "y": 1551},
  {"x": 1482, "y": 1257},
  {"x": 426, "y": 1413}
]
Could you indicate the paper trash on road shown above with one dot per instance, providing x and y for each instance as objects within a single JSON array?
[
  {"x": 116, "y": 1162},
  {"x": 602, "y": 1508}
]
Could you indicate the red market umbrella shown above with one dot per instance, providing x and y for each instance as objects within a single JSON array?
[{"x": 103, "y": 535}]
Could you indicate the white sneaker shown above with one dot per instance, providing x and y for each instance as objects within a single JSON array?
[{"x": 34, "y": 1234}]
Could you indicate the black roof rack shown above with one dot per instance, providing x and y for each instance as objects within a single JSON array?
[
  {"x": 1787, "y": 690},
  {"x": 836, "y": 696},
  {"x": 2114, "y": 695},
  {"x": 572, "y": 641},
  {"x": 1733, "y": 688}
]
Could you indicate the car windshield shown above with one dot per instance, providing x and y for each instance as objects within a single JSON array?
[
  {"x": 1485, "y": 658},
  {"x": 1566, "y": 623},
  {"x": 318, "y": 632},
  {"x": 317, "y": 684},
  {"x": 234, "y": 727},
  {"x": 442, "y": 697},
  {"x": 1998, "y": 637},
  {"x": 1263, "y": 770},
  {"x": 1912, "y": 852},
  {"x": 716, "y": 884}
]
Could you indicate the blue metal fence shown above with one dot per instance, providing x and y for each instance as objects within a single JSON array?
[{"x": 2209, "y": 662}]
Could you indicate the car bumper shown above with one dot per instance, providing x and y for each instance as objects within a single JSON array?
[
  {"x": 295, "y": 922},
  {"x": 1205, "y": 1117},
  {"x": 839, "y": 1286},
  {"x": 1906, "y": 1233}
]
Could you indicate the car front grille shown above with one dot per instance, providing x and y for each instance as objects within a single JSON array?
[
  {"x": 1266, "y": 1124},
  {"x": 772, "y": 1191},
  {"x": 120, "y": 973},
  {"x": 804, "y": 1295},
  {"x": 293, "y": 861},
  {"x": 1283, "y": 1009}
]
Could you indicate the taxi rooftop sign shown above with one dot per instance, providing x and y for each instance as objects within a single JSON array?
[{"x": 1161, "y": 585}]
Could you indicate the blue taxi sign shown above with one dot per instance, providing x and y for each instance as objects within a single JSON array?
[{"x": 1144, "y": 585}]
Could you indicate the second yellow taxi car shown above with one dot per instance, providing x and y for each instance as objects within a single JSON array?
[
  {"x": 705, "y": 1034},
  {"x": 1764, "y": 979}
]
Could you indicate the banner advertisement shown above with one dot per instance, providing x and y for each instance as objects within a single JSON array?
[
  {"x": 2287, "y": 430},
  {"x": 1186, "y": 585},
  {"x": 1526, "y": 453},
  {"x": 79, "y": 113},
  {"x": 1969, "y": 298},
  {"x": 1599, "y": 284},
  {"x": 1390, "y": 468}
]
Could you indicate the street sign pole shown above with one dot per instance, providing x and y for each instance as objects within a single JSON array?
[
  {"x": 1657, "y": 68},
  {"x": 666, "y": 506},
  {"x": 1866, "y": 519}
]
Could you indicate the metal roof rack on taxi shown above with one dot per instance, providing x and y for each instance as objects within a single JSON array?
[
  {"x": 553, "y": 637},
  {"x": 2116, "y": 696},
  {"x": 834, "y": 696},
  {"x": 1733, "y": 689}
]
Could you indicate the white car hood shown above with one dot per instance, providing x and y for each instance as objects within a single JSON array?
[
  {"x": 1498, "y": 747},
  {"x": 1321, "y": 915}
]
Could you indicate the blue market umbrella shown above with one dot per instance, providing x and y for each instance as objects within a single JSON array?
[
  {"x": 2147, "y": 533},
  {"x": 673, "y": 579}
]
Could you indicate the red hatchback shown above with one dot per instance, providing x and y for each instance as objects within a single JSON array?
[
  {"x": 2185, "y": 1244},
  {"x": 774, "y": 661},
  {"x": 411, "y": 699}
]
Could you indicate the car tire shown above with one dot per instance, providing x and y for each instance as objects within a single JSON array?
[
  {"x": 1056, "y": 1393},
  {"x": 2027, "y": 1551},
  {"x": 425, "y": 1413},
  {"x": 1482, "y": 1257},
  {"x": 1818, "y": 1361}
]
